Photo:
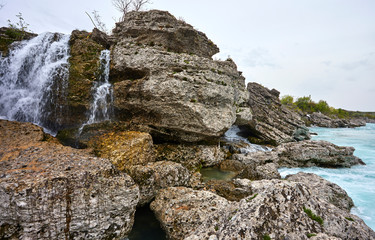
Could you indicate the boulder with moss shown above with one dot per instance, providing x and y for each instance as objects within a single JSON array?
[
  {"x": 276, "y": 209},
  {"x": 49, "y": 191}
]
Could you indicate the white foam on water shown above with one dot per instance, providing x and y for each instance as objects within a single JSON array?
[{"x": 357, "y": 181}]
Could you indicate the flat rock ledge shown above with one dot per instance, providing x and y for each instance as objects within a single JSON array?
[
  {"x": 316, "y": 153},
  {"x": 48, "y": 191},
  {"x": 276, "y": 209}
]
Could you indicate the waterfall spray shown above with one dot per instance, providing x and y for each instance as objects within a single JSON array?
[
  {"x": 101, "y": 107},
  {"x": 33, "y": 80}
]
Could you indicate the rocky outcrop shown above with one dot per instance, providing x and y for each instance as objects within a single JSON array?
[
  {"x": 321, "y": 120},
  {"x": 182, "y": 94},
  {"x": 192, "y": 157},
  {"x": 49, "y": 191},
  {"x": 298, "y": 154},
  {"x": 10, "y": 35},
  {"x": 125, "y": 149},
  {"x": 272, "y": 123},
  {"x": 326, "y": 190},
  {"x": 316, "y": 153},
  {"x": 157, "y": 175},
  {"x": 83, "y": 72},
  {"x": 161, "y": 29},
  {"x": 277, "y": 209}
]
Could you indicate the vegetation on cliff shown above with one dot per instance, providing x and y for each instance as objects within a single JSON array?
[{"x": 307, "y": 105}]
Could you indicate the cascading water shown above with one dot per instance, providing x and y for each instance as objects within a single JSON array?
[
  {"x": 101, "y": 107},
  {"x": 33, "y": 80},
  {"x": 232, "y": 135}
]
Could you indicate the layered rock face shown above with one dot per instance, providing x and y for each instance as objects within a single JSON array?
[
  {"x": 182, "y": 94},
  {"x": 321, "y": 120},
  {"x": 326, "y": 190},
  {"x": 276, "y": 209},
  {"x": 49, "y": 191},
  {"x": 295, "y": 154},
  {"x": 316, "y": 153},
  {"x": 272, "y": 122}
]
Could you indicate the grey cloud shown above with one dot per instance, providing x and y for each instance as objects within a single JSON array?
[
  {"x": 367, "y": 61},
  {"x": 259, "y": 57}
]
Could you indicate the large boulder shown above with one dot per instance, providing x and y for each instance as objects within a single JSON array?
[
  {"x": 326, "y": 190},
  {"x": 160, "y": 28},
  {"x": 182, "y": 94},
  {"x": 277, "y": 209},
  {"x": 157, "y": 175},
  {"x": 316, "y": 153},
  {"x": 272, "y": 122},
  {"x": 192, "y": 157},
  {"x": 48, "y": 191}
]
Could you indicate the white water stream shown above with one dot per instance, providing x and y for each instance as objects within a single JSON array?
[{"x": 33, "y": 79}]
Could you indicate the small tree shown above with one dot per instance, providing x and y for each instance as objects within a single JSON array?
[
  {"x": 138, "y": 4},
  {"x": 97, "y": 21},
  {"x": 18, "y": 29},
  {"x": 123, "y": 6},
  {"x": 287, "y": 100}
]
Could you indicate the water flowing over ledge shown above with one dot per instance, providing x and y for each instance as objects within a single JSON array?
[
  {"x": 101, "y": 107},
  {"x": 33, "y": 80}
]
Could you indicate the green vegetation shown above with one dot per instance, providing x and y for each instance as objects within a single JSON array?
[
  {"x": 307, "y": 105},
  {"x": 18, "y": 30},
  {"x": 309, "y": 235},
  {"x": 350, "y": 219},
  {"x": 266, "y": 237},
  {"x": 313, "y": 216}
]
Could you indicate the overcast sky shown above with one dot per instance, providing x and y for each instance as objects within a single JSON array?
[{"x": 322, "y": 48}]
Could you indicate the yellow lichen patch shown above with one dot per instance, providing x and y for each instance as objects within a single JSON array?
[{"x": 125, "y": 149}]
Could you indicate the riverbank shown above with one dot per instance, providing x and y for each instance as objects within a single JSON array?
[{"x": 358, "y": 181}]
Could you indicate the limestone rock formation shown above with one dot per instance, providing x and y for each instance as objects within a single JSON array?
[
  {"x": 49, "y": 191},
  {"x": 272, "y": 123},
  {"x": 321, "y": 120},
  {"x": 125, "y": 149},
  {"x": 301, "y": 154},
  {"x": 326, "y": 190},
  {"x": 182, "y": 94},
  {"x": 8, "y": 36},
  {"x": 316, "y": 153},
  {"x": 157, "y": 175},
  {"x": 161, "y": 29},
  {"x": 191, "y": 156},
  {"x": 83, "y": 72},
  {"x": 277, "y": 209}
]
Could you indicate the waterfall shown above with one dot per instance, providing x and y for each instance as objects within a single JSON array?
[
  {"x": 33, "y": 80},
  {"x": 101, "y": 106},
  {"x": 246, "y": 147}
]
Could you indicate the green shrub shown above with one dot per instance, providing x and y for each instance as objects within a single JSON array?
[
  {"x": 313, "y": 216},
  {"x": 266, "y": 237}
]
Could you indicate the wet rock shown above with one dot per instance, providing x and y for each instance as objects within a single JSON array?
[
  {"x": 157, "y": 175},
  {"x": 278, "y": 209},
  {"x": 326, "y": 190},
  {"x": 183, "y": 97},
  {"x": 8, "y": 36},
  {"x": 316, "y": 153},
  {"x": 49, "y": 191},
  {"x": 272, "y": 122},
  {"x": 83, "y": 69}
]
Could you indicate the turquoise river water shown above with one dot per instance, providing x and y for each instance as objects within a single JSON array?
[{"x": 358, "y": 181}]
